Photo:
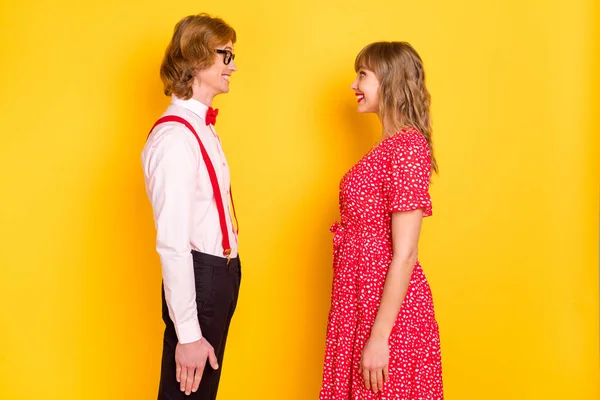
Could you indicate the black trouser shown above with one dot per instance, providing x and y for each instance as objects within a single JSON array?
[{"x": 217, "y": 288}]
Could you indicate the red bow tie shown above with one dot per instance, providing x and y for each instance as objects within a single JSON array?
[{"x": 211, "y": 116}]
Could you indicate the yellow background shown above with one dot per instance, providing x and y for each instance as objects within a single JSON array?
[{"x": 511, "y": 252}]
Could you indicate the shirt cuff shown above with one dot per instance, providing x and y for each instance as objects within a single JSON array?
[{"x": 189, "y": 331}]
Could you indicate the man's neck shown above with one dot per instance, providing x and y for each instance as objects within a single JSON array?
[{"x": 203, "y": 95}]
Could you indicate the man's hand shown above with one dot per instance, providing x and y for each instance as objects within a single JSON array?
[{"x": 190, "y": 359}]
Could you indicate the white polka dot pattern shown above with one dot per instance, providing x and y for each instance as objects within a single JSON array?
[{"x": 394, "y": 176}]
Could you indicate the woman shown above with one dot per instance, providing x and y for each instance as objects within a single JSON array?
[{"x": 382, "y": 336}]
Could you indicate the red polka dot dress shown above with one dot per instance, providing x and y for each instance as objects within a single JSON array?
[{"x": 394, "y": 176}]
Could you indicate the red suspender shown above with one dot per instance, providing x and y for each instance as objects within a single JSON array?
[{"x": 213, "y": 180}]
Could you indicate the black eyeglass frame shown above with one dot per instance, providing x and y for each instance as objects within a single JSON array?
[{"x": 228, "y": 56}]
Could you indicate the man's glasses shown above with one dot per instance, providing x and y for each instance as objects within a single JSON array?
[{"x": 227, "y": 55}]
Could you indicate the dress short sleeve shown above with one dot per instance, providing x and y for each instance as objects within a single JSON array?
[{"x": 407, "y": 183}]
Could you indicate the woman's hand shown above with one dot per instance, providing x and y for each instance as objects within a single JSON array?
[{"x": 374, "y": 363}]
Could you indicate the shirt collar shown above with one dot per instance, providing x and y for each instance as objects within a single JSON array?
[{"x": 192, "y": 104}]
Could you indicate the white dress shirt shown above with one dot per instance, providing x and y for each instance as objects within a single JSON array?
[{"x": 185, "y": 211}]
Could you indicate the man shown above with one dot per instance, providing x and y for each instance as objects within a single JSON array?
[{"x": 188, "y": 183}]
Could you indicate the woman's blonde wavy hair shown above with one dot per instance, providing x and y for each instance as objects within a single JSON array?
[{"x": 403, "y": 97}]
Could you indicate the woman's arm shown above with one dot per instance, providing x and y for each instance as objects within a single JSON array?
[{"x": 406, "y": 228}]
